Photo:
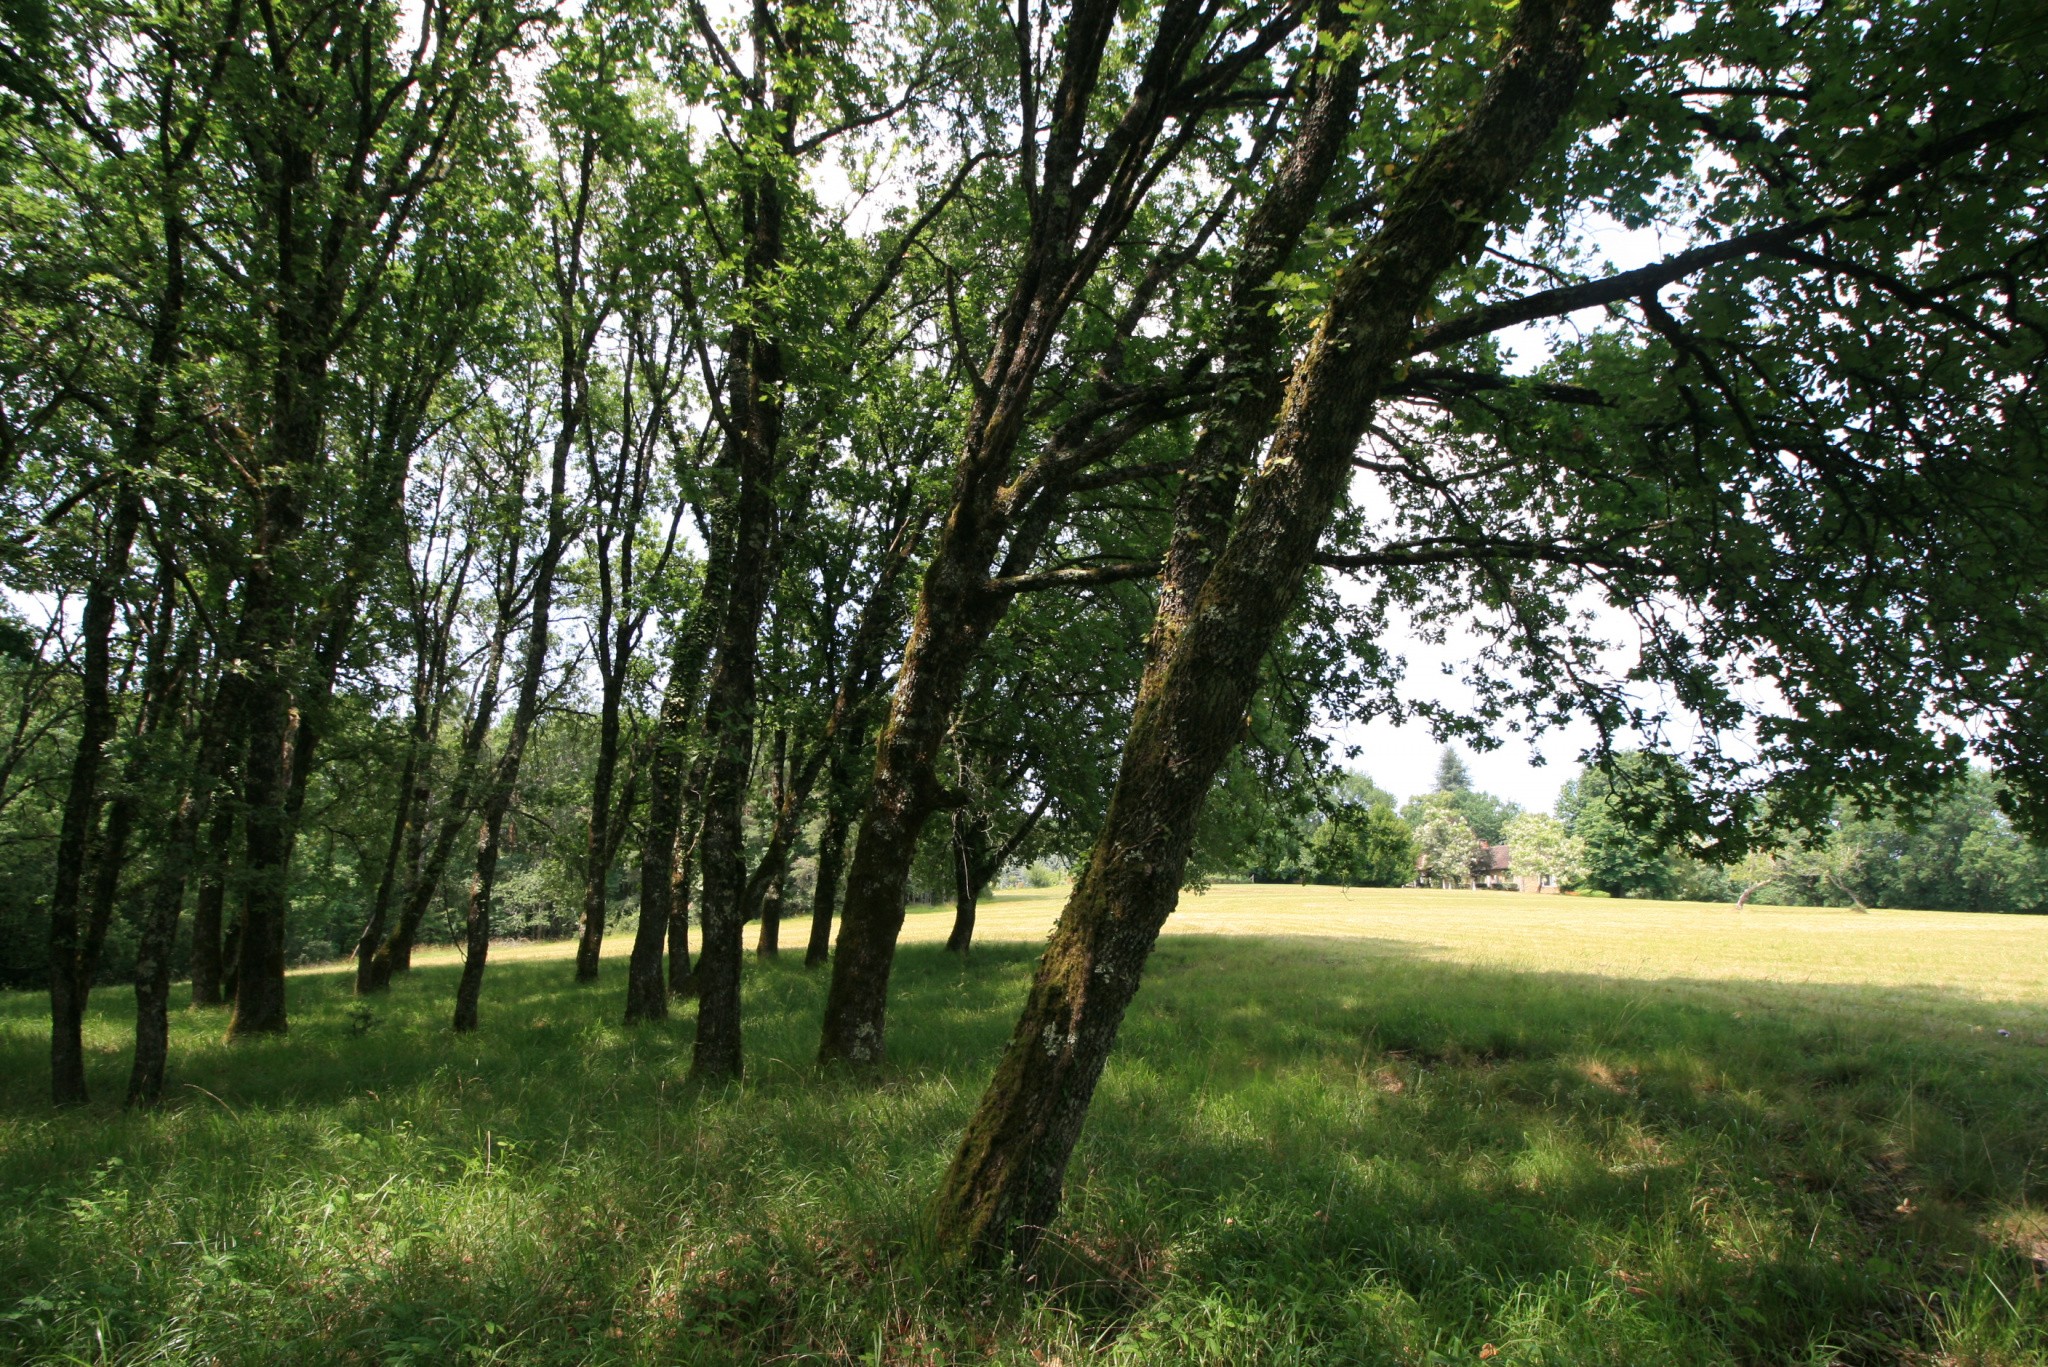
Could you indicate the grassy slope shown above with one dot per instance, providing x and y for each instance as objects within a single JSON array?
[{"x": 1393, "y": 1127}]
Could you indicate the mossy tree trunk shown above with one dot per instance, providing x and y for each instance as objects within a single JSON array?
[
  {"x": 70, "y": 973},
  {"x": 1080, "y": 201},
  {"x": 1005, "y": 1183}
]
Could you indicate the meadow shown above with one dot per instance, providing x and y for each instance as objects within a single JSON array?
[{"x": 1341, "y": 1127}]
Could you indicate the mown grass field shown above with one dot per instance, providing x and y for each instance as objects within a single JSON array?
[{"x": 1364, "y": 1127}]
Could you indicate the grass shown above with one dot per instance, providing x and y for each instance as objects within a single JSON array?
[{"x": 1363, "y": 1128}]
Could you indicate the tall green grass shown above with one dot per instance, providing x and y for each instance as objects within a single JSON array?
[{"x": 1305, "y": 1152}]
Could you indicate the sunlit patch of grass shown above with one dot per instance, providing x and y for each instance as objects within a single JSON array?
[{"x": 1361, "y": 1147}]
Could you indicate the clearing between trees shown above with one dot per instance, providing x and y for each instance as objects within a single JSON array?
[{"x": 1366, "y": 1126}]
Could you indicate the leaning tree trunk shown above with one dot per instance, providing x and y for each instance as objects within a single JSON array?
[
  {"x": 1005, "y": 1182},
  {"x": 504, "y": 778},
  {"x": 957, "y": 606},
  {"x": 68, "y": 978},
  {"x": 975, "y": 864},
  {"x": 394, "y": 955},
  {"x": 956, "y": 610},
  {"x": 394, "y": 854},
  {"x": 477, "y": 919}
]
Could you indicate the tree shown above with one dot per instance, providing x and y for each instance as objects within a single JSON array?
[
  {"x": 1217, "y": 617},
  {"x": 1616, "y": 817},
  {"x": 1080, "y": 194},
  {"x": 1367, "y": 846},
  {"x": 1447, "y": 848},
  {"x": 1451, "y": 774},
  {"x": 1540, "y": 847},
  {"x": 1748, "y": 458}
]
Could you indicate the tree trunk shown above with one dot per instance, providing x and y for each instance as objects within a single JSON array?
[
  {"x": 160, "y": 922},
  {"x": 260, "y": 704},
  {"x": 597, "y": 851},
  {"x": 576, "y": 344},
  {"x": 729, "y": 744},
  {"x": 265, "y": 718},
  {"x": 477, "y": 921},
  {"x": 208, "y": 902},
  {"x": 159, "y": 934},
  {"x": 395, "y": 954},
  {"x": 153, "y": 960},
  {"x": 68, "y": 940},
  {"x": 831, "y": 854},
  {"x": 1005, "y": 1182},
  {"x": 646, "y": 993},
  {"x": 680, "y": 971},
  {"x": 755, "y": 375},
  {"x": 669, "y": 752},
  {"x": 394, "y": 854},
  {"x": 970, "y": 847},
  {"x": 955, "y": 612},
  {"x": 957, "y": 608},
  {"x": 768, "y": 905},
  {"x": 768, "y": 944}
]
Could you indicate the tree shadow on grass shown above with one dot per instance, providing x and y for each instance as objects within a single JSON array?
[
  {"x": 1741, "y": 1172},
  {"x": 1337, "y": 1148}
]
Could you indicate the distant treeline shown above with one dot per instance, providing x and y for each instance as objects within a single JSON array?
[{"x": 1957, "y": 852}]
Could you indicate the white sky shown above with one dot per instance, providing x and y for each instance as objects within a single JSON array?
[{"x": 1403, "y": 759}]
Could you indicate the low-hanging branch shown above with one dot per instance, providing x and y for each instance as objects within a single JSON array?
[
  {"x": 1074, "y": 576},
  {"x": 1627, "y": 285},
  {"x": 1474, "y": 550}
]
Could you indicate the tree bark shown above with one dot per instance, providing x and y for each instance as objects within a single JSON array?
[
  {"x": 68, "y": 939},
  {"x": 402, "y": 818},
  {"x": 680, "y": 971},
  {"x": 1005, "y": 1182},
  {"x": 755, "y": 375},
  {"x": 647, "y": 993},
  {"x": 597, "y": 849},
  {"x": 619, "y": 622},
  {"x": 768, "y": 945},
  {"x": 581, "y": 323},
  {"x": 957, "y": 607},
  {"x": 395, "y": 954},
  {"x": 729, "y": 742},
  {"x": 831, "y": 856},
  {"x": 974, "y": 864},
  {"x": 160, "y": 924},
  {"x": 970, "y": 847},
  {"x": 209, "y": 900},
  {"x": 775, "y": 864},
  {"x": 259, "y": 691}
]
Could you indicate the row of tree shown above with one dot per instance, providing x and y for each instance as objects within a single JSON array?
[
  {"x": 1957, "y": 851},
  {"x": 902, "y": 427}
]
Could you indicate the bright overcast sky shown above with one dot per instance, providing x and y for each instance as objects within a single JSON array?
[{"x": 1403, "y": 759}]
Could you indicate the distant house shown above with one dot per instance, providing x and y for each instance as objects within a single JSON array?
[{"x": 1495, "y": 874}]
